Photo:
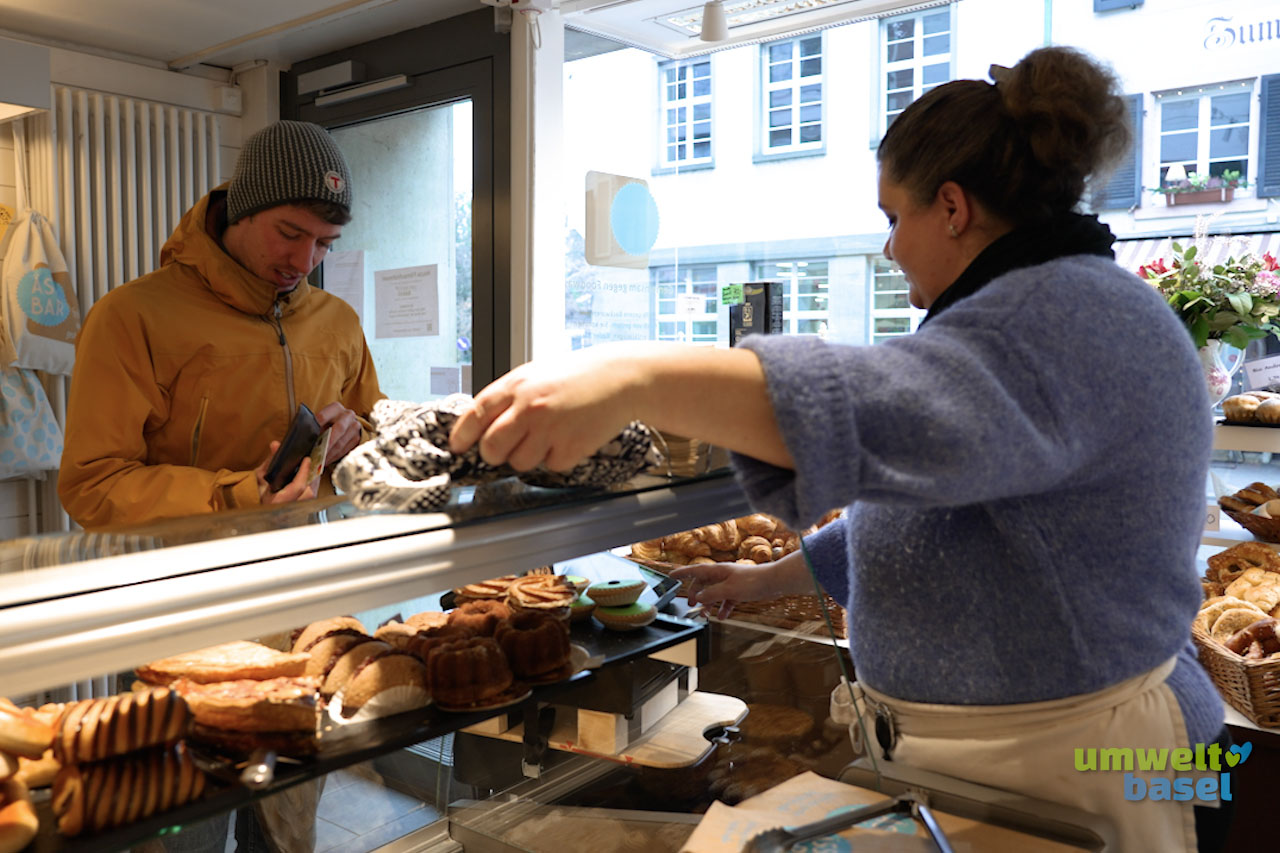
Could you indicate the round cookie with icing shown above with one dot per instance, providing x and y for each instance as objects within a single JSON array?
[
  {"x": 626, "y": 618},
  {"x": 578, "y": 582},
  {"x": 616, "y": 593}
]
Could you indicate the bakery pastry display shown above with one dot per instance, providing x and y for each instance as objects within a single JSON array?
[
  {"x": 494, "y": 588},
  {"x": 1252, "y": 407},
  {"x": 1256, "y": 508},
  {"x": 581, "y": 608},
  {"x": 21, "y": 733},
  {"x": 536, "y": 644},
  {"x": 1242, "y": 617},
  {"x": 467, "y": 671},
  {"x": 306, "y": 637},
  {"x": 226, "y": 662}
]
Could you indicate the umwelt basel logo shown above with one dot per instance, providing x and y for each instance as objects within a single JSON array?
[{"x": 1202, "y": 773}]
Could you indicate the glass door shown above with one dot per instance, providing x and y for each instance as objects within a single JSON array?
[
  {"x": 423, "y": 118},
  {"x": 404, "y": 261}
]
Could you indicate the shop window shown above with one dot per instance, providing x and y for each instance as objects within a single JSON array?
[
  {"x": 793, "y": 96},
  {"x": 686, "y": 299},
  {"x": 805, "y": 284},
  {"x": 686, "y": 113},
  {"x": 915, "y": 56},
  {"x": 1123, "y": 189},
  {"x": 892, "y": 314},
  {"x": 1206, "y": 131}
]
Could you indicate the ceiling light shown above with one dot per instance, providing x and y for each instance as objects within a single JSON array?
[{"x": 715, "y": 27}]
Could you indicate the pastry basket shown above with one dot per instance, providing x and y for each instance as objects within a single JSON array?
[
  {"x": 1266, "y": 529},
  {"x": 1252, "y": 687}
]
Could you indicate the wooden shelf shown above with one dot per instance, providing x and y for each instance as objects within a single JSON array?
[{"x": 1254, "y": 439}]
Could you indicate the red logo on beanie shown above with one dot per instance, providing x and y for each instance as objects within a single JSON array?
[{"x": 334, "y": 181}]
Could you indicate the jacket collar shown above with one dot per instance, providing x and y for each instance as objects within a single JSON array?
[{"x": 196, "y": 243}]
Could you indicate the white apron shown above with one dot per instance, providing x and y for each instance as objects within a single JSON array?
[{"x": 1030, "y": 748}]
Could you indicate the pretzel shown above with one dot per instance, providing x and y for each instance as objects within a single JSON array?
[
  {"x": 1262, "y": 632},
  {"x": 1226, "y": 566}
]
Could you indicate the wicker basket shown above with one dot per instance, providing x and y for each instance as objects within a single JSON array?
[
  {"x": 1266, "y": 529},
  {"x": 802, "y": 613},
  {"x": 1252, "y": 687}
]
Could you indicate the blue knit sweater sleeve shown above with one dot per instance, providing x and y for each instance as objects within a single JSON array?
[{"x": 828, "y": 551}]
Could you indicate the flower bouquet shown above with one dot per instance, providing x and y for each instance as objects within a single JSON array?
[{"x": 1236, "y": 300}]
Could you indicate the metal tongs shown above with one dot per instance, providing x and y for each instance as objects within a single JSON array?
[{"x": 781, "y": 839}]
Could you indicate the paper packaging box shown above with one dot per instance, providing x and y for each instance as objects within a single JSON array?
[{"x": 760, "y": 311}]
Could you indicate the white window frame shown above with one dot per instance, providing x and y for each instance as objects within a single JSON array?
[
  {"x": 794, "y": 86},
  {"x": 916, "y": 64},
  {"x": 1204, "y": 127},
  {"x": 880, "y": 268},
  {"x": 791, "y": 273},
  {"x": 665, "y": 310},
  {"x": 686, "y": 106}
]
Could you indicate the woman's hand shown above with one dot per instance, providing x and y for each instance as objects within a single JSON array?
[
  {"x": 295, "y": 490},
  {"x": 720, "y": 586},
  {"x": 552, "y": 413}
]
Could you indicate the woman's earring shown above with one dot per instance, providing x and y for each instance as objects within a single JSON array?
[{"x": 952, "y": 229}]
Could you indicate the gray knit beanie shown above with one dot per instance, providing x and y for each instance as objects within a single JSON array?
[{"x": 284, "y": 163}]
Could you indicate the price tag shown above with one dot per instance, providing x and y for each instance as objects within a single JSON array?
[
  {"x": 1212, "y": 517},
  {"x": 731, "y": 294},
  {"x": 1261, "y": 372},
  {"x": 690, "y": 304}
]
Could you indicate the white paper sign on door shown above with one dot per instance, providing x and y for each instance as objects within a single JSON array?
[
  {"x": 344, "y": 277},
  {"x": 407, "y": 302}
]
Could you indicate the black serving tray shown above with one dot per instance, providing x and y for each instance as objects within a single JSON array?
[{"x": 343, "y": 746}]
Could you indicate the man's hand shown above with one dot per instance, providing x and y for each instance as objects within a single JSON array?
[
  {"x": 346, "y": 430},
  {"x": 295, "y": 490}
]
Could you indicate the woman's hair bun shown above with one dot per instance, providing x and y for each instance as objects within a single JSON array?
[{"x": 1048, "y": 124}]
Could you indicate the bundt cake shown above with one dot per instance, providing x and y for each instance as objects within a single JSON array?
[
  {"x": 467, "y": 671},
  {"x": 535, "y": 643},
  {"x": 482, "y": 617}
]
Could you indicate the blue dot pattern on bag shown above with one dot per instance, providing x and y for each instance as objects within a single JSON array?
[
  {"x": 30, "y": 439},
  {"x": 41, "y": 298}
]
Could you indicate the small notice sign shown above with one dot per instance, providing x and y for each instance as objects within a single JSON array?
[
  {"x": 1213, "y": 517},
  {"x": 731, "y": 294},
  {"x": 689, "y": 304},
  {"x": 1261, "y": 372}
]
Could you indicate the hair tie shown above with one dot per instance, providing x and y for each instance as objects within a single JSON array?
[{"x": 999, "y": 74}]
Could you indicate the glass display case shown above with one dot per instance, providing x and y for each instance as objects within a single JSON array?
[{"x": 654, "y": 726}]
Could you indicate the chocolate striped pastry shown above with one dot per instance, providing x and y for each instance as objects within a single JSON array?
[
  {"x": 100, "y": 795},
  {"x": 94, "y": 729}
]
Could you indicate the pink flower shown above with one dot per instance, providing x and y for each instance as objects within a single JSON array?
[
  {"x": 1269, "y": 280},
  {"x": 1269, "y": 262}
]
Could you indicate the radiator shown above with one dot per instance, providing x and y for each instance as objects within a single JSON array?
[{"x": 114, "y": 174}]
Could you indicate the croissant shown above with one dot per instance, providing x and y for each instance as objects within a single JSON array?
[
  {"x": 651, "y": 550},
  {"x": 757, "y": 524},
  {"x": 721, "y": 537},
  {"x": 756, "y": 548},
  {"x": 688, "y": 544}
]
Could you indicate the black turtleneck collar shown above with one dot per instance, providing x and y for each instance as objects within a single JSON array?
[{"x": 1064, "y": 235}]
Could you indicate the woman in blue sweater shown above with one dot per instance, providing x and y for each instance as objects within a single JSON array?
[{"x": 1004, "y": 605}]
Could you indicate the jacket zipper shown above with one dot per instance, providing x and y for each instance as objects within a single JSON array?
[{"x": 288, "y": 361}]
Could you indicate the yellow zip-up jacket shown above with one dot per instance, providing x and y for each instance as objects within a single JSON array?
[{"x": 182, "y": 380}]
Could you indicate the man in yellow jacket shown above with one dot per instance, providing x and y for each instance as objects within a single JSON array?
[{"x": 186, "y": 378}]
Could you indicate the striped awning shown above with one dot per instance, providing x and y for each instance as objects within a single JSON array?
[{"x": 1132, "y": 254}]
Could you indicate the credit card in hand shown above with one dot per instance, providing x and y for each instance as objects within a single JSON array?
[{"x": 317, "y": 458}]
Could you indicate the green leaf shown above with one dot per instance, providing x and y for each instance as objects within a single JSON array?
[
  {"x": 1199, "y": 331},
  {"x": 1190, "y": 253}
]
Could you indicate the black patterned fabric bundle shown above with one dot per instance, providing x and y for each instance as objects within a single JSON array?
[{"x": 408, "y": 466}]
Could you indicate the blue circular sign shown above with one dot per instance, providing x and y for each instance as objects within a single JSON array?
[{"x": 633, "y": 216}]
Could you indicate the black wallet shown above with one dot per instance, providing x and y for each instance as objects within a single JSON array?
[{"x": 297, "y": 445}]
